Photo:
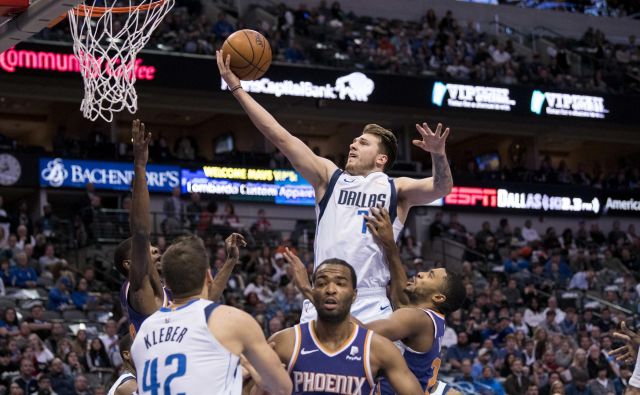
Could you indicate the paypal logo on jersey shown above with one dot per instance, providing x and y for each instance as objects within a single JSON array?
[{"x": 353, "y": 354}]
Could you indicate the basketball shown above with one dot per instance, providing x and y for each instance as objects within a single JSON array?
[{"x": 250, "y": 54}]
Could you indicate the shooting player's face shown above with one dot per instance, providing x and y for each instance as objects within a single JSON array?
[
  {"x": 364, "y": 151},
  {"x": 333, "y": 292}
]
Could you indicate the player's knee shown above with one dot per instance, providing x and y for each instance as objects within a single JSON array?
[{"x": 453, "y": 391}]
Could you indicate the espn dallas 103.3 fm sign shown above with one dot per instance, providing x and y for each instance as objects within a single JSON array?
[{"x": 526, "y": 199}]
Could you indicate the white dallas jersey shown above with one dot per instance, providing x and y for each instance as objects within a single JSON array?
[
  {"x": 123, "y": 378},
  {"x": 175, "y": 353},
  {"x": 341, "y": 228}
]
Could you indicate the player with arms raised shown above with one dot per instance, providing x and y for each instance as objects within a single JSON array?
[
  {"x": 343, "y": 198},
  {"x": 136, "y": 259}
]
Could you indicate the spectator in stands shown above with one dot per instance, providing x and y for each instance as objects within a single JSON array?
[
  {"x": 22, "y": 217},
  {"x": 602, "y": 385},
  {"x": 10, "y": 324},
  {"x": 222, "y": 28},
  {"x": 80, "y": 297},
  {"x": 48, "y": 223},
  {"x": 437, "y": 227},
  {"x": 23, "y": 238},
  {"x": 48, "y": 261},
  {"x": 460, "y": 351},
  {"x": 229, "y": 217},
  {"x": 61, "y": 382},
  {"x": 172, "y": 210},
  {"x": 98, "y": 360},
  {"x": 81, "y": 385},
  {"x": 488, "y": 379},
  {"x": 491, "y": 252},
  {"x": 529, "y": 233},
  {"x": 516, "y": 383},
  {"x": 42, "y": 354},
  {"x": 193, "y": 210},
  {"x": 533, "y": 315},
  {"x": 59, "y": 298},
  {"x": 110, "y": 341},
  {"x": 258, "y": 287},
  {"x": 25, "y": 381},
  {"x": 23, "y": 276}
]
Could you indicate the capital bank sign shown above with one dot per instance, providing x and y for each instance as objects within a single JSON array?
[
  {"x": 564, "y": 104},
  {"x": 472, "y": 96},
  {"x": 67, "y": 173},
  {"x": 500, "y": 198},
  {"x": 354, "y": 87}
]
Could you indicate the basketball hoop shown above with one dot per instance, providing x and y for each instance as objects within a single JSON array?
[{"x": 106, "y": 41}]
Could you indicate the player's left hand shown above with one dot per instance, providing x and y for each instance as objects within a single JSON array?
[
  {"x": 300, "y": 275},
  {"x": 232, "y": 245},
  {"x": 140, "y": 140},
  {"x": 379, "y": 224},
  {"x": 432, "y": 142},
  {"x": 629, "y": 352}
]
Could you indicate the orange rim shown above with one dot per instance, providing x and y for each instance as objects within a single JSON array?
[{"x": 83, "y": 10}]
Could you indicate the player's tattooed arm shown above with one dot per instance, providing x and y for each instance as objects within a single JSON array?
[
  {"x": 442, "y": 178},
  {"x": 145, "y": 285},
  {"x": 232, "y": 245},
  {"x": 380, "y": 227},
  {"x": 413, "y": 192}
]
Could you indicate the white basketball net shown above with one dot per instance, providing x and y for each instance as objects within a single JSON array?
[{"x": 106, "y": 46}]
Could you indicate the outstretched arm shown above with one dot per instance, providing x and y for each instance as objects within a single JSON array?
[
  {"x": 380, "y": 227},
  {"x": 386, "y": 356},
  {"x": 313, "y": 168},
  {"x": 145, "y": 290},
  {"x": 231, "y": 244},
  {"x": 405, "y": 323},
  {"x": 424, "y": 191}
]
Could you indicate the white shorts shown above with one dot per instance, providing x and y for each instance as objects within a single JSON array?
[{"x": 371, "y": 304}]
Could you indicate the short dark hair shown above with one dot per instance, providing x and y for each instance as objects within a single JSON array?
[
  {"x": 388, "y": 142},
  {"x": 122, "y": 253},
  {"x": 454, "y": 293},
  {"x": 184, "y": 266},
  {"x": 125, "y": 344},
  {"x": 336, "y": 261}
]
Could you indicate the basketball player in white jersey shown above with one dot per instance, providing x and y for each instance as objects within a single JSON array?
[
  {"x": 194, "y": 345},
  {"x": 126, "y": 383},
  {"x": 343, "y": 198}
]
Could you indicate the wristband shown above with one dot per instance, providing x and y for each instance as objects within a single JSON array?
[{"x": 235, "y": 88}]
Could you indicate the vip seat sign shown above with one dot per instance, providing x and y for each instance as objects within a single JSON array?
[
  {"x": 70, "y": 173},
  {"x": 472, "y": 96},
  {"x": 568, "y": 105}
]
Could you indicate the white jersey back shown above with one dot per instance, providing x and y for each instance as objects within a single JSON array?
[
  {"x": 174, "y": 352},
  {"x": 341, "y": 228}
]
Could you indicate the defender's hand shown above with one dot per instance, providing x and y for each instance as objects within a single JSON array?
[
  {"x": 140, "y": 140},
  {"x": 232, "y": 245},
  {"x": 379, "y": 224}
]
